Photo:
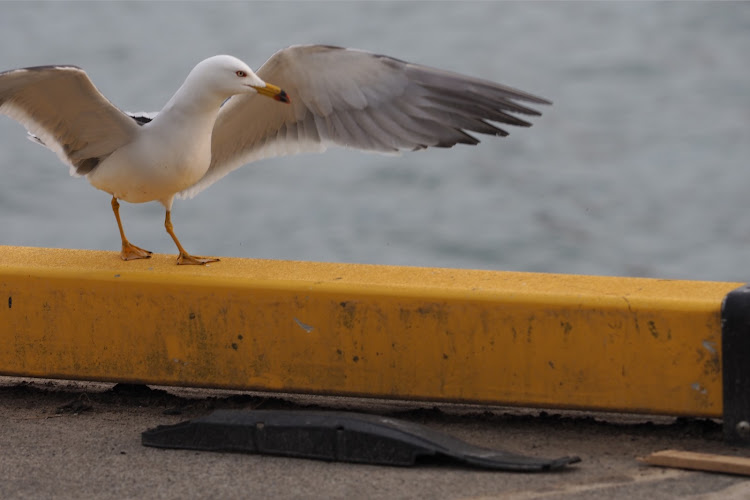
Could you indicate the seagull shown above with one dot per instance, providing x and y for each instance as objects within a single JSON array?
[{"x": 225, "y": 115}]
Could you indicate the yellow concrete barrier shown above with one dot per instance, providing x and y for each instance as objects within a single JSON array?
[{"x": 542, "y": 340}]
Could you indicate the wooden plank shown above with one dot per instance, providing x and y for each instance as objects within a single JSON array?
[
  {"x": 699, "y": 461},
  {"x": 526, "y": 339}
]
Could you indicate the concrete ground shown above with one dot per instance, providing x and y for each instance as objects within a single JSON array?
[{"x": 61, "y": 439}]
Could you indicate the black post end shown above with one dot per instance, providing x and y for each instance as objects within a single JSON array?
[{"x": 735, "y": 348}]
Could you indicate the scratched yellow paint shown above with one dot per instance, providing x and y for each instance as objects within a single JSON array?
[{"x": 543, "y": 340}]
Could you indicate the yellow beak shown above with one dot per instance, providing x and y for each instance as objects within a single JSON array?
[{"x": 273, "y": 92}]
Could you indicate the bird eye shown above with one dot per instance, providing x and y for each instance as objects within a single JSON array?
[{"x": 241, "y": 74}]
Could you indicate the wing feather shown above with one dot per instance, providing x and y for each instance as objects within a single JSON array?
[
  {"x": 61, "y": 109},
  {"x": 359, "y": 100}
]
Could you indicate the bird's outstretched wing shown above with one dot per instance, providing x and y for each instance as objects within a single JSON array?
[
  {"x": 62, "y": 109},
  {"x": 360, "y": 100}
]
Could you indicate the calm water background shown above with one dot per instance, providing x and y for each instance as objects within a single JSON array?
[{"x": 641, "y": 168}]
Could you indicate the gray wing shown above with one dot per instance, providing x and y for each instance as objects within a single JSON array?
[
  {"x": 61, "y": 109},
  {"x": 359, "y": 100}
]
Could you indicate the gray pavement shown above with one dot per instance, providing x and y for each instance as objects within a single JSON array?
[{"x": 62, "y": 439}]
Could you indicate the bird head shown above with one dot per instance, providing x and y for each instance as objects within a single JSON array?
[{"x": 229, "y": 76}]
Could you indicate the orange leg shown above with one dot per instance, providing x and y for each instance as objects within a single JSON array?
[
  {"x": 129, "y": 251},
  {"x": 184, "y": 257}
]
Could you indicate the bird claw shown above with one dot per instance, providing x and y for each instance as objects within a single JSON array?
[
  {"x": 185, "y": 259},
  {"x": 132, "y": 252}
]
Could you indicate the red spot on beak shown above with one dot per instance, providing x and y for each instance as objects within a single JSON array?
[{"x": 283, "y": 97}]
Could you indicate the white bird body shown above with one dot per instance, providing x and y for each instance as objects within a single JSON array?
[
  {"x": 162, "y": 159},
  {"x": 144, "y": 171},
  {"x": 217, "y": 122}
]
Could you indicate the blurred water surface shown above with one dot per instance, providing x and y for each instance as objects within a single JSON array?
[{"x": 640, "y": 168}]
